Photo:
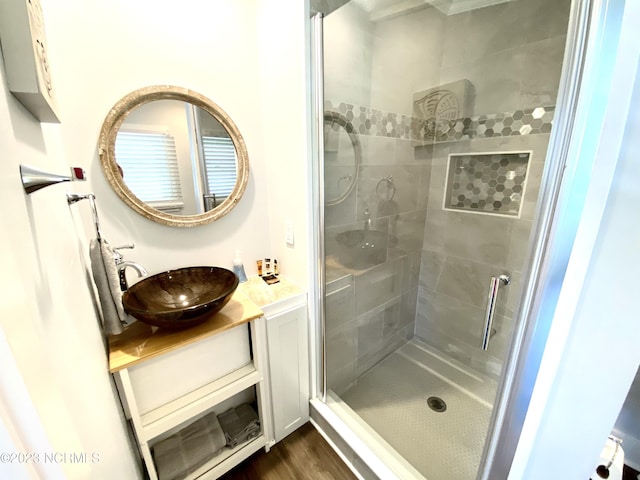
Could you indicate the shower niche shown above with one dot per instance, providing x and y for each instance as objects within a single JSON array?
[{"x": 490, "y": 183}]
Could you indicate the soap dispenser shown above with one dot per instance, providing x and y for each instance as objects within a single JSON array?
[{"x": 238, "y": 267}]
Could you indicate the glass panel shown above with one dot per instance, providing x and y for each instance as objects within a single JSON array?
[{"x": 451, "y": 106}]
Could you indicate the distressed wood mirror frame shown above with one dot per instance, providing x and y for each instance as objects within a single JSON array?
[{"x": 106, "y": 152}]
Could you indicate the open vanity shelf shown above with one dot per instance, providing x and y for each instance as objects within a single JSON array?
[
  {"x": 169, "y": 379},
  {"x": 174, "y": 413}
]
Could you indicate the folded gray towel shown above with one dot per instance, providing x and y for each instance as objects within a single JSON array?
[
  {"x": 185, "y": 451},
  {"x": 239, "y": 424},
  {"x": 105, "y": 276}
]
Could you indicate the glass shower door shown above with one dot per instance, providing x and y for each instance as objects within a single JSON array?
[{"x": 437, "y": 121}]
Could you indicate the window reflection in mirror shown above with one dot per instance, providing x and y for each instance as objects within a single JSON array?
[{"x": 176, "y": 157}]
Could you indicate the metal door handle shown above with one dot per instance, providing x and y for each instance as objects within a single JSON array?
[{"x": 491, "y": 307}]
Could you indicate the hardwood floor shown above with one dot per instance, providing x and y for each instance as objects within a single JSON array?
[{"x": 303, "y": 455}]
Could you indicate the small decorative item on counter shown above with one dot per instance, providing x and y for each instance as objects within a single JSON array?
[
  {"x": 270, "y": 279},
  {"x": 268, "y": 270},
  {"x": 238, "y": 267}
]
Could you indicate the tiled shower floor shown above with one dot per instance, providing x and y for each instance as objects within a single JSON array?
[{"x": 392, "y": 399}]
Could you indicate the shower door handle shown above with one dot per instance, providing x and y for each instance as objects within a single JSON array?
[{"x": 492, "y": 297}]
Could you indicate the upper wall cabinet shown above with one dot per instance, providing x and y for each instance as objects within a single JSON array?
[
  {"x": 174, "y": 156},
  {"x": 26, "y": 58}
]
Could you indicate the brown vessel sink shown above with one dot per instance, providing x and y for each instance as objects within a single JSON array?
[{"x": 180, "y": 298}]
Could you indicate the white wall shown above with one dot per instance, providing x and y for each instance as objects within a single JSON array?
[
  {"x": 221, "y": 51},
  {"x": 48, "y": 315},
  {"x": 210, "y": 49},
  {"x": 284, "y": 86},
  {"x": 99, "y": 52},
  {"x": 592, "y": 354},
  {"x": 407, "y": 56},
  {"x": 347, "y": 56}
]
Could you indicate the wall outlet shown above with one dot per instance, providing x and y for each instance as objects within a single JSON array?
[{"x": 288, "y": 226}]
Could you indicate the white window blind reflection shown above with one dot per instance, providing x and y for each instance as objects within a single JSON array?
[
  {"x": 150, "y": 165},
  {"x": 220, "y": 166}
]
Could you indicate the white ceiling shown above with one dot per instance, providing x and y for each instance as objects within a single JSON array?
[{"x": 384, "y": 9}]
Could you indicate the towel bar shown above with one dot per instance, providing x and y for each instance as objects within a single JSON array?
[{"x": 73, "y": 198}]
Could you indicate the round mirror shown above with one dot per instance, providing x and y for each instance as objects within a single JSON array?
[
  {"x": 342, "y": 157},
  {"x": 173, "y": 156}
]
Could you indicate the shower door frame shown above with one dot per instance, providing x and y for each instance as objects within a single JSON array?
[{"x": 544, "y": 264}]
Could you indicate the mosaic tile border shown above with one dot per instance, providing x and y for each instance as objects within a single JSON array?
[{"x": 368, "y": 121}]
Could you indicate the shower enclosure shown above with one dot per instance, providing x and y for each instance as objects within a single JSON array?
[{"x": 437, "y": 118}]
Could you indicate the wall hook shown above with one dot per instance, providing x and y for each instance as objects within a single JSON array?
[{"x": 34, "y": 179}]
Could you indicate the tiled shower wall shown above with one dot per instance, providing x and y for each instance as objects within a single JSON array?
[
  {"x": 512, "y": 54},
  {"x": 371, "y": 312},
  {"x": 461, "y": 252},
  {"x": 451, "y": 254},
  {"x": 434, "y": 280}
]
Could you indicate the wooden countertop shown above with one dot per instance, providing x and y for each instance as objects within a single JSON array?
[{"x": 140, "y": 342}]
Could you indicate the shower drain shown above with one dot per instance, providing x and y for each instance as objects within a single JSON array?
[{"x": 436, "y": 404}]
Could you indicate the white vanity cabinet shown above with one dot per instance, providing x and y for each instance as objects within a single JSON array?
[
  {"x": 285, "y": 308},
  {"x": 289, "y": 369},
  {"x": 254, "y": 349},
  {"x": 167, "y": 380}
]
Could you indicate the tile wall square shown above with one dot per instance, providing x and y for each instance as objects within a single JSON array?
[
  {"x": 378, "y": 285},
  {"x": 408, "y": 231},
  {"x": 341, "y": 213},
  {"x": 405, "y": 152},
  {"x": 392, "y": 317},
  {"x": 406, "y": 179},
  {"x": 341, "y": 346},
  {"x": 541, "y": 73},
  {"x": 464, "y": 280},
  {"x": 518, "y": 246},
  {"x": 340, "y": 379},
  {"x": 339, "y": 308},
  {"x": 378, "y": 150},
  {"x": 458, "y": 318},
  {"x": 430, "y": 269},
  {"x": 423, "y": 188},
  {"x": 409, "y": 308},
  {"x": 410, "y": 270},
  {"x": 369, "y": 331}
]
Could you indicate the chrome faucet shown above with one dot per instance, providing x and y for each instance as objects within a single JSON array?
[
  {"x": 367, "y": 219},
  {"x": 122, "y": 265},
  {"x": 122, "y": 274}
]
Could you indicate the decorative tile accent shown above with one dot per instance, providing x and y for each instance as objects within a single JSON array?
[
  {"x": 370, "y": 121},
  {"x": 487, "y": 182},
  {"x": 520, "y": 122},
  {"x": 436, "y": 110},
  {"x": 367, "y": 121}
]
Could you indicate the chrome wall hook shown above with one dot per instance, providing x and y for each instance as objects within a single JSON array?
[{"x": 34, "y": 179}]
